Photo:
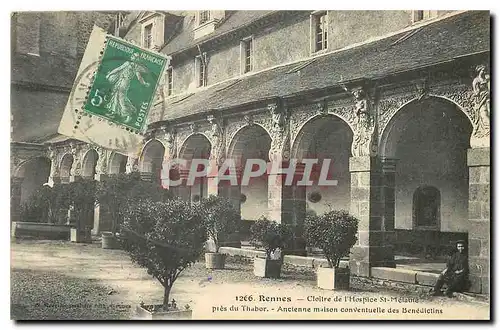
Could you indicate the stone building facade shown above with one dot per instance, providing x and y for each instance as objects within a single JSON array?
[{"x": 398, "y": 100}]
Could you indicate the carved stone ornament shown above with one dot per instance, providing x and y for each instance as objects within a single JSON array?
[
  {"x": 193, "y": 127},
  {"x": 389, "y": 105},
  {"x": 278, "y": 116},
  {"x": 54, "y": 161},
  {"x": 216, "y": 134},
  {"x": 422, "y": 88},
  {"x": 322, "y": 107},
  {"x": 132, "y": 165},
  {"x": 364, "y": 126},
  {"x": 248, "y": 119},
  {"x": 481, "y": 108},
  {"x": 279, "y": 133},
  {"x": 76, "y": 167},
  {"x": 102, "y": 161},
  {"x": 167, "y": 137}
]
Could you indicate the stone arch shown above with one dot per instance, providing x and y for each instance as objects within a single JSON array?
[
  {"x": 325, "y": 138},
  {"x": 89, "y": 163},
  {"x": 151, "y": 160},
  {"x": 306, "y": 132},
  {"x": 65, "y": 165},
  {"x": 243, "y": 136},
  {"x": 384, "y": 146},
  {"x": 32, "y": 174},
  {"x": 428, "y": 142},
  {"x": 250, "y": 142},
  {"x": 117, "y": 163},
  {"x": 195, "y": 145}
]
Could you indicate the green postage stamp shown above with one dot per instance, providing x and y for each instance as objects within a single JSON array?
[{"x": 125, "y": 84}]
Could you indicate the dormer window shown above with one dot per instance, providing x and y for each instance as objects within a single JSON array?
[
  {"x": 420, "y": 15},
  {"x": 204, "y": 16},
  {"x": 148, "y": 36},
  {"x": 207, "y": 21}
]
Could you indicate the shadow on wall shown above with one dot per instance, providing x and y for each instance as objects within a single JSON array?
[{"x": 429, "y": 244}]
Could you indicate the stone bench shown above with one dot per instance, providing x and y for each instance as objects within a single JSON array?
[
  {"x": 404, "y": 275},
  {"x": 40, "y": 230},
  {"x": 310, "y": 262}
]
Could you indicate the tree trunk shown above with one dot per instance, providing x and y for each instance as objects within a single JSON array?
[{"x": 166, "y": 297}]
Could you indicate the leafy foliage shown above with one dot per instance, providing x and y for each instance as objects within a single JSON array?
[
  {"x": 164, "y": 237},
  {"x": 46, "y": 204},
  {"x": 334, "y": 232},
  {"x": 221, "y": 219},
  {"x": 81, "y": 197},
  {"x": 38, "y": 206},
  {"x": 121, "y": 191},
  {"x": 269, "y": 235}
]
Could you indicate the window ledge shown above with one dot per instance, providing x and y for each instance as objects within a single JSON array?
[
  {"x": 319, "y": 52},
  {"x": 423, "y": 228}
]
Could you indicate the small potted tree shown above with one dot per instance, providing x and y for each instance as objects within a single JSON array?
[
  {"x": 221, "y": 220},
  {"x": 273, "y": 238},
  {"x": 165, "y": 237},
  {"x": 335, "y": 234},
  {"x": 114, "y": 194}
]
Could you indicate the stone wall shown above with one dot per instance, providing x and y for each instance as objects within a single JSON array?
[{"x": 426, "y": 243}]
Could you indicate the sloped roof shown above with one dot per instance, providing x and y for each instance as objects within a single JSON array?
[
  {"x": 443, "y": 40},
  {"x": 185, "y": 38}
]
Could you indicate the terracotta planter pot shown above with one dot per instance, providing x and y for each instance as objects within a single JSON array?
[
  {"x": 333, "y": 278},
  {"x": 215, "y": 260},
  {"x": 109, "y": 241},
  {"x": 144, "y": 313},
  {"x": 263, "y": 267}
]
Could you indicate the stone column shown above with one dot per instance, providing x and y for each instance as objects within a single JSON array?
[
  {"x": 282, "y": 205},
  {"x": 367, "y": 205},
  {"x": 15, "y": 198},
  {"x": 102, "y": 219},
  {"x": 280, "y": 196},
  {"x": 182, "y": 190},
  {"x": 389, "y": 196},
  {"x": 75, "y": 178},
  {"x": 213, "y": 181},
  {"x": 478, "y": 160}
]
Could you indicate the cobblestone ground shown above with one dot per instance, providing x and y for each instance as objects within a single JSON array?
[{"x": 63, "y": 280}]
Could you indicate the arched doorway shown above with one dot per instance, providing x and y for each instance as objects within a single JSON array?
[
  {"x": 251, "y": 142},
  {"x": 428, "y": 140},
  {"x": 325, "y": 138},
  {"x": 151, "y": 160},
  {"x": 89, "y": 163},
  {"x": 117, "y": 163},
  {"x": 196, "y": 146}
]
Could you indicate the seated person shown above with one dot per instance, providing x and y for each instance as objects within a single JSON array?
[{"x": 456, "y": 273}]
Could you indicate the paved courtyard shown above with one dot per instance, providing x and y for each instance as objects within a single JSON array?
[{"x": 63, "y": 280}]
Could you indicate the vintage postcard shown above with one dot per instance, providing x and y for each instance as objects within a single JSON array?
[{"x": 250, "y": 165}]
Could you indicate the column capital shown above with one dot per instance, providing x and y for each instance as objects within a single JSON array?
[
  {"x": 478, "y": 157},
  {"x": 362, "y": 163}
]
